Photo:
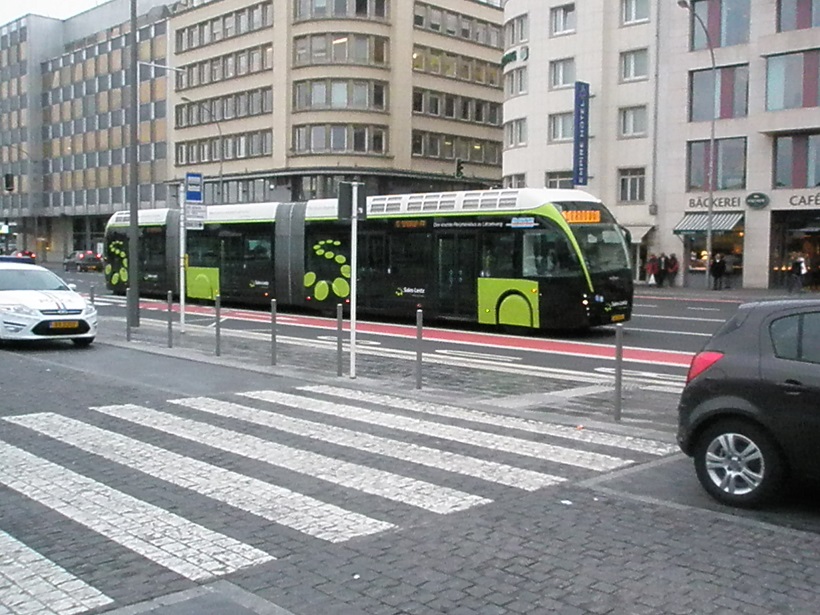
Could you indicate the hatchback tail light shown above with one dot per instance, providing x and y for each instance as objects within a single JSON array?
[{"x": 701, "y": 362}]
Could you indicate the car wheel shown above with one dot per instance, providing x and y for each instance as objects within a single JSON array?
[
  {"x": 738, "y": 464},
  {"x": 83, "y": 342}
]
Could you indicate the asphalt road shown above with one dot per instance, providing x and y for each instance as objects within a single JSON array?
[{"x": 222, "y": 485}]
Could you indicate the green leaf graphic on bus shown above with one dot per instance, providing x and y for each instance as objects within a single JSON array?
[
  {"x": 329, "y": 271},
  {"x": 116, "y": 264}
]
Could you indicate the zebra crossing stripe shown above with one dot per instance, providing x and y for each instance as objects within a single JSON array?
[
  {"x": 640, "y": 445},
  {"x": 402, "y": 489},
  {"x": 498, "y": 442},
  {"x": 187, "y": 548},
  {"x": 276, "y": 504},
  {"x": 490, "y": 471},
  {"x": 30, "y": 583}
]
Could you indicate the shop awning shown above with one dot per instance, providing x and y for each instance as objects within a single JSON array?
[
  {"x": 697, "y": 222},
  {"x": 638, "y": 232}
]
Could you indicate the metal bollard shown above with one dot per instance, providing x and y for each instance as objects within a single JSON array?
[
  {"x": 218, "y": 324},
  {"x": 619, "y": 367},
  {"x": 273, "y": 331},
  {"x": 339, "y": 321},
  {"x": 128, "y": 315},
  {"x": 170, "y": 319},
  {"x": 91, "y": 295},
  {"x": 419, "y": 319}
]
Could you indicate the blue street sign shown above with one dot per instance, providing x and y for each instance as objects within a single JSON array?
[
  {"x": 193, "y": 188},
  {"x": 580, "y": 151}
]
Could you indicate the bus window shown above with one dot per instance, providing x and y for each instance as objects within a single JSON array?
[
  {"x": 497, "y": 255},
  {"x": 548, "y": 253},
  {"x": 257, "y": 249}
]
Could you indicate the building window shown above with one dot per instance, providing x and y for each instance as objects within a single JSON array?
[
  {"x": 516, "y": 81},
  {"x": 730, "y": 170},
  {"x": 797, "y": 14},
  {"x": 516, "y": 31},
  {"x": 634, "y": 64},
  {"x": 562, "y": 19},
  {"x": 515, "y": 132},
  {"x": 634, "y": 11},
  {"x": 632, "y": 121},
  {"x": 730, "y": 98},
  {"x": 561, "y": 127},
  {"x": 339, "y": 138},
  {"x": 797, "y": 161},
  {"x": 558, "y": 179},
  {"x": 519, "y": 180},
  {"x": 726, "y": 20},
  {"x": 791, "y": 80},
  {"x": 631, "y": 185},
  {"x": 562, "y": 73}
]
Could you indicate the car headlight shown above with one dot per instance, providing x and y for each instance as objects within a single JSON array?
[
  {"x": 89, "y": 310},
  {"x": 19, "y": 309}
]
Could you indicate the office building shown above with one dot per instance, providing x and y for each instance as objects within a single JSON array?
[
  {"x": 654, "y": 100},
  {"x": 282, "y": 100}
]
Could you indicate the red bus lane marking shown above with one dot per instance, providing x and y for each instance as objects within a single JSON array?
[{"x": 579, "y": 349}]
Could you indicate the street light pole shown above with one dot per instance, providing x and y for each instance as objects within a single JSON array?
[
  {"x": 203, "y": 106},
  {"x": 133, "y": 312},
  {"x": 710, "y": 169}
]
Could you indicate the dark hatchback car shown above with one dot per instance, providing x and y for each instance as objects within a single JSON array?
[
  {"x": 750, "y": 412},
  {"x": 83, "y": 260}
]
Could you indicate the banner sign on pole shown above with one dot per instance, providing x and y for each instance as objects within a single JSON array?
[
  {"x": 580, "y": 152},
  {"x": 193, "y": 188}
]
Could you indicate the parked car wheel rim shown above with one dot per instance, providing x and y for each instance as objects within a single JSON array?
[{"x": 735, "y": 464}]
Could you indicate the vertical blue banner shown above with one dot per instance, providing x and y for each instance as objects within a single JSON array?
[{"x": 580, "y": 151}]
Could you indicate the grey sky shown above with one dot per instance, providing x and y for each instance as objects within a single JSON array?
[{"x": 12, "y": 9}]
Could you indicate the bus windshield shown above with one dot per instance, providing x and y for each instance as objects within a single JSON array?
[{"x": 603, "y": 246}]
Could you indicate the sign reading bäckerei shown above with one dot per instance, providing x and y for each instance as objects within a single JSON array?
[{"x": 732, "y": 202}]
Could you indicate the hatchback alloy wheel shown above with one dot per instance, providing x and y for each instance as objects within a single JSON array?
[{"x": 737, "y": 463}]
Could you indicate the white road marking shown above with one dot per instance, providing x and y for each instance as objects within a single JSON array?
[
  {"x": 187, "y": 548},
  {"x": 406, "y": 451},
  {"x": 668, "y": 332},
  {"x": 478, "y": 355},
  {"x": 704, "y": 309},
  {"x": 690, "y": 318},
  {"x": 277, "y": 504},
  {"x": 30, "y": 583},
  {"x": 631, "y": 443},
  {"x": 539, "y": 450},
  {"x": 354, "y": 476}
]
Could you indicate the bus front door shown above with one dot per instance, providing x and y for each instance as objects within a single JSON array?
[{"x": 456, "y": 271}]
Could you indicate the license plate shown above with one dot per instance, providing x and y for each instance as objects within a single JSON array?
[
  {"x": 617, "y": 317},
  {"x": 64, "y": 324}
]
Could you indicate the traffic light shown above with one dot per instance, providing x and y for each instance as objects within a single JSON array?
[
  {"x": 459, "y": 167},
  {"x": 8, "y": 182}
]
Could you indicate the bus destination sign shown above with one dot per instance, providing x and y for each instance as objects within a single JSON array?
[{"x": 582, "y": 216}]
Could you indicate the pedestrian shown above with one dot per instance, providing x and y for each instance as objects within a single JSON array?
[
  {"x": 651, "y": 270},
  {"x": 661, "y": 275},
  {"x": 797, "y": 270},
  {"x": 729, "y": 271},
  {"x": 672, "y": 267},
  {"x": 717, "y": 269}
]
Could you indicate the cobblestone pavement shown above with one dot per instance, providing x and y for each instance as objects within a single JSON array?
[{"x": 314, "y": 494}]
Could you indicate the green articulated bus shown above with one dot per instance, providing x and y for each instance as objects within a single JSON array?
[{"x": 533, "y": 258}]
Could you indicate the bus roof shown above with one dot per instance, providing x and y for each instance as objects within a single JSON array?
[{"x": 478, "y": 201}]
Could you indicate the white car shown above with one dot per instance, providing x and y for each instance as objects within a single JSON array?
[{"x": 35, "y": 304}]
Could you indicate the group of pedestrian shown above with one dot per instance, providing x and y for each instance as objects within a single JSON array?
[{"x": 661, "y": 270}]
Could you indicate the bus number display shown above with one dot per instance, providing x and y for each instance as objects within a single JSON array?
[
  {"x": 587, "y": 216},
  {"x": 411, "y": 223}
]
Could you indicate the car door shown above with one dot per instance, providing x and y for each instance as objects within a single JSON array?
[{"x": 790, "y": 370}]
